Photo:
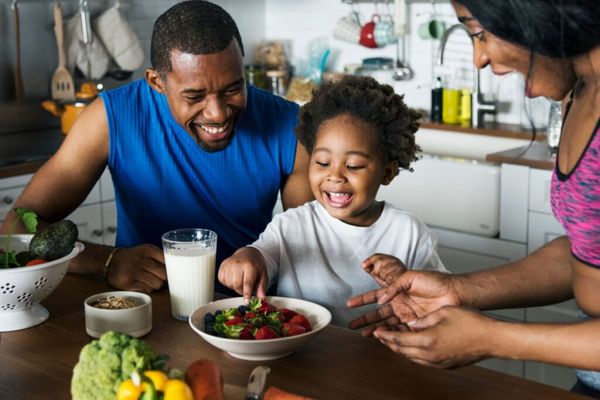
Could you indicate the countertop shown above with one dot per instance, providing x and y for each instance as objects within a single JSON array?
[
  {"x": 37, "y": 363},
  {"x": 536, "y": 155}
]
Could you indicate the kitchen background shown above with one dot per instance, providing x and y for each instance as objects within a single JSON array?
[
  {"x": 298, "y": 24},
  {"x": 484, "y": 213}
]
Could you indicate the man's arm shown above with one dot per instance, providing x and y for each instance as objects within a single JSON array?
[
  {"x": 64, "y": 181},
  {"x": 296, "y": 189}
]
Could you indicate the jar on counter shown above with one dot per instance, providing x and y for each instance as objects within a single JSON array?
[
  {"x": 255, "y": 75},
  {"x": 277, "y": 81}
]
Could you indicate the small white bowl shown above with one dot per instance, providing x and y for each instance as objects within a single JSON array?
[
  {"x": 260, "y": 350},
  {"x": 135, "y": 321}
]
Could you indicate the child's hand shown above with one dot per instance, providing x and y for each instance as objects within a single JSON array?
[
  {"x": 383, "y": 268},
  {"x": 244, "y": 272}
]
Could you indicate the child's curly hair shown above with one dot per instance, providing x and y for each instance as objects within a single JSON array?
[{"x": 367, "y": 100}]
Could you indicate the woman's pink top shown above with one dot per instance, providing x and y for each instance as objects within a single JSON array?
[{"x": 575, "y": 201}]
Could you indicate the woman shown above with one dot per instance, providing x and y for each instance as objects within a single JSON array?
[{"x": 555, "y": 44}]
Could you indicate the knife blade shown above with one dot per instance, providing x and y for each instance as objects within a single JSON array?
[{"x": 256, "y": 382}]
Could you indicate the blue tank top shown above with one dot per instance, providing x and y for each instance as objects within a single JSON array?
[{"x": 163, "y": 180}]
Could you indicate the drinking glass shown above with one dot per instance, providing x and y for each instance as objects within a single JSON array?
[{"x": 190, "y": 260}]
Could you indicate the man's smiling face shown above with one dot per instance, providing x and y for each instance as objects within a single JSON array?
[{"x": 206, "y": 94}]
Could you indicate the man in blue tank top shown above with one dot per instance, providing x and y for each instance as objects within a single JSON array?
[{"x": 189, "y": 146}]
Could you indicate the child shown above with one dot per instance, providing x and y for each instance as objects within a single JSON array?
[{"x": 358, "y": 134}]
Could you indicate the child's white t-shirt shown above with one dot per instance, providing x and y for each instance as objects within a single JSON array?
[{"x": 316, "y": 257}]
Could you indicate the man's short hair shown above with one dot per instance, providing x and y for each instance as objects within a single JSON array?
[{"x": 194, "y": 27}]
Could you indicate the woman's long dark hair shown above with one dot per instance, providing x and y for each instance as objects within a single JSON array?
[{"x": 554, "y": 28}]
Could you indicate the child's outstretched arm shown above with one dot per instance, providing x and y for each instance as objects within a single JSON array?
[
  {"x": 383, "y": 268},
  {"x": 245, "y": 271}
]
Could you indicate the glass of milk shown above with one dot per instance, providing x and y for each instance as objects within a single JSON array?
[{"x": 190, "y": 259}]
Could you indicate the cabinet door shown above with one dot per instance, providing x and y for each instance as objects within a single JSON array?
[
  {"x": 10, "y": 190},
  {"x": 89, "y": 223},
  {"x": 463, "y": 253},
  {"x": 542, "y": 229},
  {"x": 539, "y": 190},
  {"x": 109, "y": 222},
  {"x": 107, "y": 190}
]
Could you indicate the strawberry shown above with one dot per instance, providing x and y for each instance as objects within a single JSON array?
[
  {"x": 234, "y": 321},
  {"x": 265, "y": 307},
  {"x": 287, "y": 314},
  {"x": 246, "y": 334},
  {"x": 265, "y": 332},
  {"x": 291, "y": 329},
  {"x": 249, "y": 315},
  {"x": 301, "y": 320}
]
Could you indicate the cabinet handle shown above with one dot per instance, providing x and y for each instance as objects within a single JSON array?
[
  {"x": 97, "y": 232},
  {"x": 111, "y": 229},
  {"x": 8, "y": 200}
]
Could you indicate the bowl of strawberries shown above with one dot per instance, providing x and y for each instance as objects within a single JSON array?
[{"x": 262, "y": 329}]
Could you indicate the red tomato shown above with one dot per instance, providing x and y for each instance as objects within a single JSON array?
[
  {"x": 301, "y": 320},
  {"x": 291, "y": 329},
  {"x": 265, "y": 332},
  {"x": 35, "y": 261}
]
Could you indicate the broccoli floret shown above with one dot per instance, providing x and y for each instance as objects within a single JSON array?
[{"x": 103, "y": 364}]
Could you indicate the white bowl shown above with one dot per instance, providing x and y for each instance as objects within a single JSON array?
[
  {"x": 22, "y": 289},
  {"x": 260, "y": 350},
  {"x": 134, "y": 321}
]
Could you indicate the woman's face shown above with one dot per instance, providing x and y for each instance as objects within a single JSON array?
[{"x": 549, "y": 77}]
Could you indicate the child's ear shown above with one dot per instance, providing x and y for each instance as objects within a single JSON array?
[{"x": 390, "y": 172}]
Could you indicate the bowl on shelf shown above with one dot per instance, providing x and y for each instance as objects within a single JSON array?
[
  {"x": 22, "y": 289},
  {"x": 260, "y": 350},
  {"x": 134, "y": 320}
]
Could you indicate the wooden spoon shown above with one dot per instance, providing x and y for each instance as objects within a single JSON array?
[
  {"x": 19, "y": 91},
  {"x": 62, "y": 84}
]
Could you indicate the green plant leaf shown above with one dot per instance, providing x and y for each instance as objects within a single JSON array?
[{"x": 29, "y": 218}]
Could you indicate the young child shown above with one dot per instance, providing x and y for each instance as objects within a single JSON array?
[{"x": 358, "y": 134}]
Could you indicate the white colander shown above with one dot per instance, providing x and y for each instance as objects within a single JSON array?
[{"x": 22, "y": 289}]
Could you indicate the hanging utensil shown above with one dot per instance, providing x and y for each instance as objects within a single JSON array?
[
  {"x": 86, "y": 34},
  {"x": 19, "y": 90},
  {"x": 402, "y": 71},
  {"x": 62, "y": 86}
]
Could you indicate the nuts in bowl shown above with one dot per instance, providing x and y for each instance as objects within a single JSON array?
[{"x": 269, "y": 332}]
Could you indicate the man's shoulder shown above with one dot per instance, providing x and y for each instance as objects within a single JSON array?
[{"x": 137, "y": 87}]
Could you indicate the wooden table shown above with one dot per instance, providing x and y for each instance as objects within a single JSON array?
[{"x": 37, "y": 363}]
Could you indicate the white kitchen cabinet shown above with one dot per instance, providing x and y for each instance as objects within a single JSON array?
[
  {"x": 10, "y": 190},
  {"x": 88, "y": 219},
  {"x": 109, "y": 223},
  {"x": 543, "y": 228},
  {"x": 95, "y": 218}
]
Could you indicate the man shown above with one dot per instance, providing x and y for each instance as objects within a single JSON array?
[{"x": 189, "y": 146}]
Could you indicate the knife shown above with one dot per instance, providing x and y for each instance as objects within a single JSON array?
[{"x": 256, "y": 383}]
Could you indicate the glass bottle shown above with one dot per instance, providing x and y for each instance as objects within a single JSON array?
[
  {"x": 554, "y": 125},
  {"x": 436, "y": 100}
]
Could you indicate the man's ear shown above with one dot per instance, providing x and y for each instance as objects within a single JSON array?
[
  {"x": 155, "y": 81},
  {"x": 390, "y": 172}
]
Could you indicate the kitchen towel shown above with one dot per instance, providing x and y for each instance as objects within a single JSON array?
[
  {"x": 120, "y": 40},
  {"x": 96, "y": 62}
]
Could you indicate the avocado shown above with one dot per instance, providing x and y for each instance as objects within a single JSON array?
[{"x": 54, "y": 241}]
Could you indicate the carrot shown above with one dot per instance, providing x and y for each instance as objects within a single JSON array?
[
  {"x": 274, "y": 393},
  {"x": 205, "y": 379}
]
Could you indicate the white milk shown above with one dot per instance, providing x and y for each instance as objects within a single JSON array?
[{"x": 191, "y": 278}]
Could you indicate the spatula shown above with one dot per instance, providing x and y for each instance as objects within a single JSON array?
[{"x": 63, "y": 87}]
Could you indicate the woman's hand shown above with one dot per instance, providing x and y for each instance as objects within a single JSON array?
[
  {"x": 245, "y": 272},
  {"x": 447, "y": 338},
  {"x": 139, "y": 268},
  {"x": 410, "y": 296}
]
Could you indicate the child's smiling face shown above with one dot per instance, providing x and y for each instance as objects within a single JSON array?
[{"x": 346, "y": 169}]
